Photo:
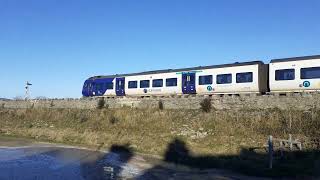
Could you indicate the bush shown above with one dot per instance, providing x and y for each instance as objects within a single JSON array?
[
  {"x": 51, "y": 104},
  {"x": 101, "y": 103},
  {"x": 206, "y": 105},
  {"x": 160, "y": 104}
]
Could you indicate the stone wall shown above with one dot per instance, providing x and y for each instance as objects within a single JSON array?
[
  {"x": 289, "y": 101},
  {"x": 50, "y": 103}
]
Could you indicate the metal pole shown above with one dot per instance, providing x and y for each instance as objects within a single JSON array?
[
  {"x": 27, "y": 87},
  {"x": 270, "y": 151},
  {"x": 27, "y": 92}
]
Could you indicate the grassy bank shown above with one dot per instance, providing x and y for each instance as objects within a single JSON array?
[{"x": 223, "y": 139}]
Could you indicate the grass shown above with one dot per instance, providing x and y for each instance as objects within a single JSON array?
[{"x": 223, "y": 138}]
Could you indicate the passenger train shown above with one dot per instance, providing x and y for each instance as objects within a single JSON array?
[{"x": 298, "y": 74}]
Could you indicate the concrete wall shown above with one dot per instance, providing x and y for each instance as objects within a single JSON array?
[{"x": 293, "y": 101}]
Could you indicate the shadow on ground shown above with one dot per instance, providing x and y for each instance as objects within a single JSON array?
[
  {"x": 301, "y": 164},
  {"x": 179, "y": 163}
]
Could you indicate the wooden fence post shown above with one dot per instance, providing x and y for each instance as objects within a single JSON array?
[
  {"x": 290, "y": 142},
  {"x": 270, "y": 151}
]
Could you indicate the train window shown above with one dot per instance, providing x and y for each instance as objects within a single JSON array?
[
  {"x": 144, "y": 83},
  {"x": 203, "y": 80},
  {"x": 224, "y": 78},
  {"x": 244, "y": 77},
  {"x": 285, "y": 74},
  {"x": 109, "y": 85},
  {"x": 132, "y": 84},
  {"x": 157, "y": 83},
  {"x": 192, "y": 79},
  {"x": 310, "y": 73},
  {"x": 171, "y": 82}
]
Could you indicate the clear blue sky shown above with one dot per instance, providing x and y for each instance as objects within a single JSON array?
[{"x": 57, "y": 44}]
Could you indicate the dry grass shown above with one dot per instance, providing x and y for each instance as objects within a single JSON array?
[{"x": 150, "y": 131}]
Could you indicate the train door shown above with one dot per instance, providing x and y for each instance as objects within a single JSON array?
[
  {"x": 120, "y": 86},
  {"x": 189, "y": 83}
]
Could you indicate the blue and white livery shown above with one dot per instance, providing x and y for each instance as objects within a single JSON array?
[{"x": 299, "y": 74}]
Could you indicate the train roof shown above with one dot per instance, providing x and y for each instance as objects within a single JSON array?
[
  {"x": 301, "y": 58},
  {"x": 181, "y": 70}
]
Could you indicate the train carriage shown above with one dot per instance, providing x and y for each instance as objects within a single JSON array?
[
  {"x": 249, "y": 77},
  {"x": 237, "y": 78},
  {"x": 167, "y": 83},
  {"x": 299, "y": 74}
]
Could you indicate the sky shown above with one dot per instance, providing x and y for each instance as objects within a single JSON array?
[{"x": 57, "y": 44}]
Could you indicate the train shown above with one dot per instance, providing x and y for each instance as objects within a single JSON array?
[{"x": 296, "y": 74}]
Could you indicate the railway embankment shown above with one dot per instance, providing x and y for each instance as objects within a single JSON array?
[
  {"x": 295, "y": 101},
  {"x": 228, "y": 138}
]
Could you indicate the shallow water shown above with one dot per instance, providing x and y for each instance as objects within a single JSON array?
[
  {"x": 62, "y": 163},
  {"x": 25, "y": 160}
]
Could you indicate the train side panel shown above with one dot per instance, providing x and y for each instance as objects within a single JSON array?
[
  {"x": 233, "y": 85},
  {"x": 295, "y": 76},
  {"x": 140, "y": 90}
]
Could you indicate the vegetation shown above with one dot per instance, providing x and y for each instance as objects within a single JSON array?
[
  {"x": 226, "y": 139},
  {"x": 101, "y": 103},
  {"x": 205, "y": 105},
  {"x": 160, "y": 104},
  {"x": 51, "y": 104}
]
